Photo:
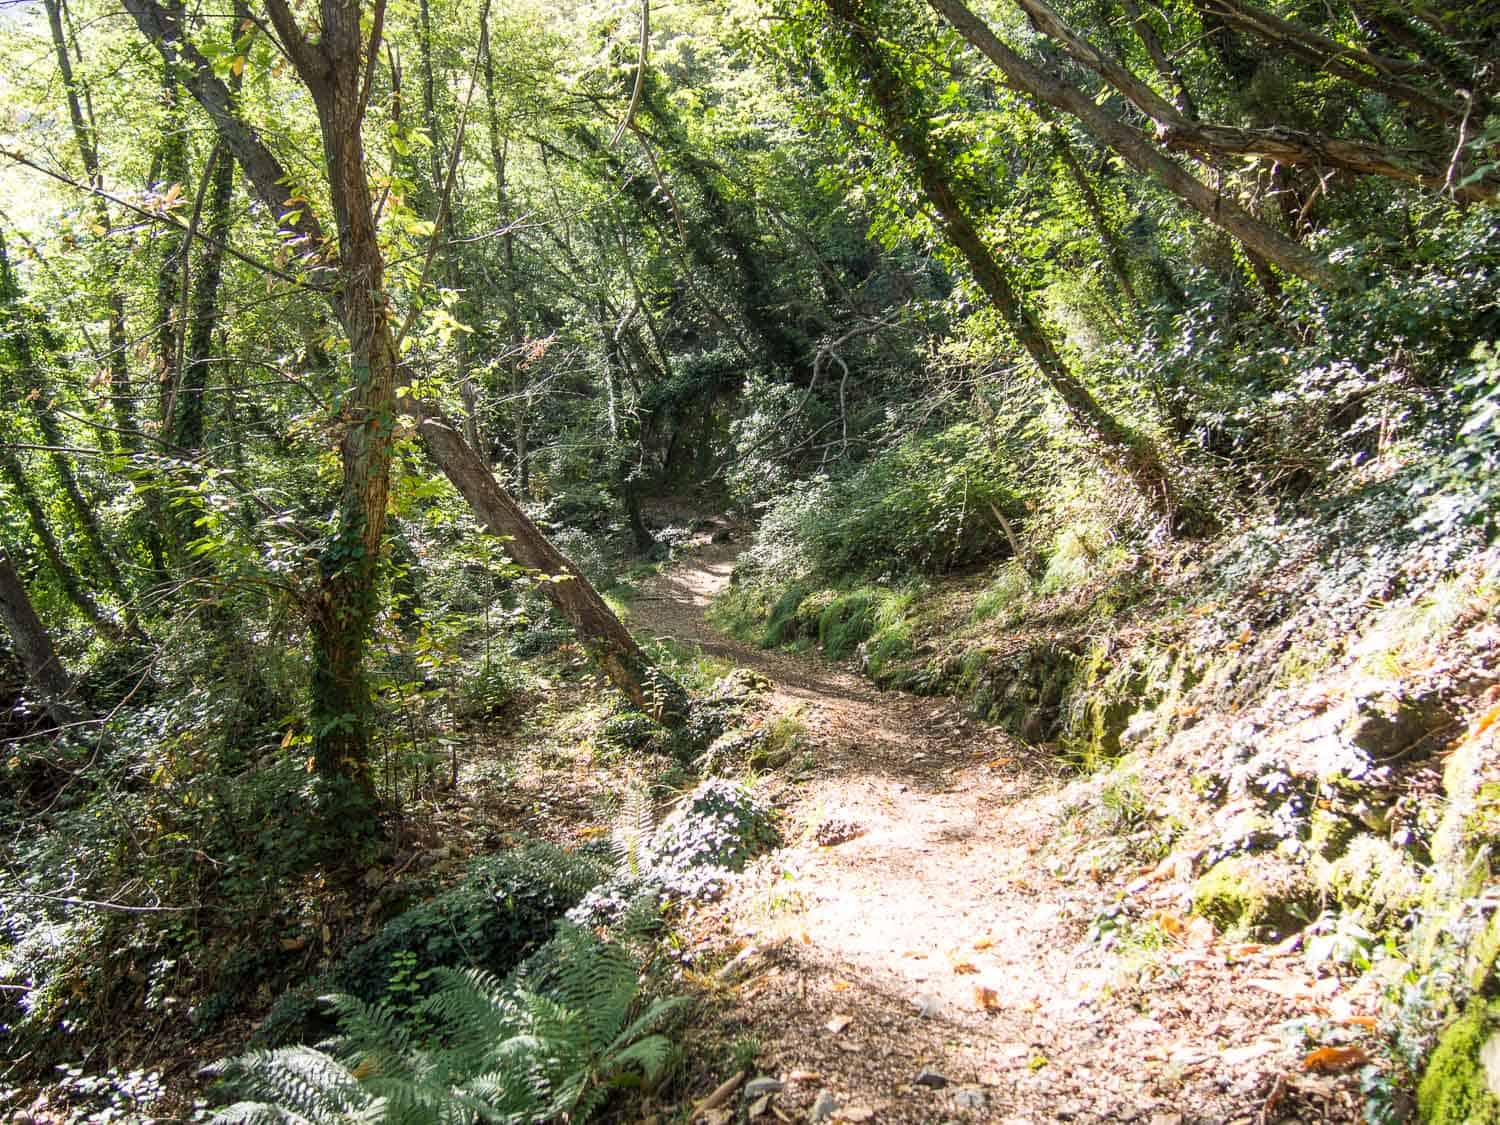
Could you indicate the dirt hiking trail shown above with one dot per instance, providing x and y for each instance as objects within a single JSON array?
[{"x": 920, "y": 951}]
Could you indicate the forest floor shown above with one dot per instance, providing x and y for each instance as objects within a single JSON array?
[{"x": 920, "y": 949}]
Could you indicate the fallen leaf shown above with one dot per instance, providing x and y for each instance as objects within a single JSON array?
[
  {"x": 984, "y": 943},
  {"x": 1334, "y": 1059},
  {"x": 1288, "y": 988},
  {"x": 804, "y": 1076},
  {"x": 292, "y": 944},
  {"x": 1369, "y": 1022},
  {"x": 840, "y": 986},
  {"x": 838, "y": 1023},
  {"x": 1487, "y": 720},
  {"x": 806, "y": 938},
  {"x": 854, "y": 1113},
  {"x": 963, "y": 968},
  {"x": 720, "y": 1093},
  {"x": 1238, "y": 1056},
  {"x": 987, "y": 998}
]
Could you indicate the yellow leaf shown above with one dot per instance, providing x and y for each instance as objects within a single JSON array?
[
  {"x": 237, "y": 67},
  {"x": 984, "y": 943},
  {"x": 1330, "y": 1059},
  {"x": 840, "y": 986},
  {"x": 287, "y": 738},
  {"x": 987, "y": 998},
  {"x": 1487, "y": 720}
]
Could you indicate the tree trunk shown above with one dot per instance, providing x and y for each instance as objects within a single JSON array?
[
  {"x": 1139, "y": 152},
  {"x": 610, "y": 643},
  {"x": 34, "y": 647},
  {"x": 16, "y": 327},
  {"x": 72, "y": 584},
  {"x": 121, "y": 403},
  {"x": 1138, "y": 458}
]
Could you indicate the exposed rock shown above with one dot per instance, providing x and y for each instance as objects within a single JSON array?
[
  {"x": 969, "y": 1098},
  {"x": 823, "y": 1106},
  {"x": 760, "y": 1087},
  {"x": 1262, "y": 894},
  {"x": 930, "y": 1078}
]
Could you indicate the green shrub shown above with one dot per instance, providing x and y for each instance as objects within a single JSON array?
[
  {"x": 501, "y": 910},
  {"x": 550, "y": 1044},
  {"x": 927, "y": 505}
]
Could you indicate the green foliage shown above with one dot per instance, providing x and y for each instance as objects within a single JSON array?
[
  {"x": 1454, "y": 1087},
  {"x": 550, "y": 1043},
  {"x": 928, "y": 505},
  {"x": 501, "y": 910},
  {"x": 690, "y": 856}
]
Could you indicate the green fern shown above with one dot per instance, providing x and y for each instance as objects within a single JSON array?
[{"x": 552, "y": 1042}]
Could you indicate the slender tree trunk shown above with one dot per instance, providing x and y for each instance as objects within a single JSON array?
[
  {"x": 1139, "y": 152},
  {"x": 68, "y": 578},
  {"x": 188, "y": 425},
  {"x": 34, "y": 389},
  {"x": 1138, "y": 458},
  {"x": 610, "y": 643},
  {"x": 34, "y": 647},
  {"x": 121, "y": 392}
]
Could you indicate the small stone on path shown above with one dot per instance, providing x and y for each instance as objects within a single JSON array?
[
  {"x": 969, "y": 1098},
  {"x": 823, "y": 1107},
  {"x": 926, "y": 1077},
  {"x": 761, "y": 1087}
]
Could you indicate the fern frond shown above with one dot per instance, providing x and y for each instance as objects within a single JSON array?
[
  {"x": 656, "y": 1015},
  {"x": 650, "y": 1054},
  {"x": 303, "y": 1081},
  {"x": 632, "y": 829},
  {"x": 257, "y": 1113}
]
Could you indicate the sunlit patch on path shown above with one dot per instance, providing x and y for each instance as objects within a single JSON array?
[{"x": 919, "y": 925}]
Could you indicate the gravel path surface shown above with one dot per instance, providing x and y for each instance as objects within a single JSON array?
[{"x": 921, "y": 950}]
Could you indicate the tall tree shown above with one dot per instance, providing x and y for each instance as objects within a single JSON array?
[{"x": 869, "y": 62}]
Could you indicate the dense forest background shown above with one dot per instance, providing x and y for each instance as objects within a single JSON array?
[{"x": 298, "y": 301}]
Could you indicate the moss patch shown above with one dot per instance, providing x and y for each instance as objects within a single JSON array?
[
  {"x": 1454, "y": 1090},
  {"x": 1260, "y": 893}
]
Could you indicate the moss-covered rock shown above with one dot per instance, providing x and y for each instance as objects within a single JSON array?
[
  {"x": 1255, "y": 893},
  {"x": 1458, "y": 1087},
  {"x": 1374, "y": 876}
]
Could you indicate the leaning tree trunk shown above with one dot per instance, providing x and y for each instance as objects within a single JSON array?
[
  {"x": 1140, "y": 153},
  {"x": 1138, "y": 457},
  {"x": 34, "y": 647},
  {"x": 610, "y": 643}
]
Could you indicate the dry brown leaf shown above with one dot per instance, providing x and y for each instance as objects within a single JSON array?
[
  {"x": 984, "y": 943},
  {"x": 1238, "y": 1056},
  {"x": 1330, "y": 1060},
  {"x": 805, "y": 1076},
  {"x": 720, "y": 1093},
  {"x": 806, "y": 938},
  {"x": 963, "y": 968},
  {"x": 1171, "y": 924},
  {"x": 1369, "y": 1022},
  {"x": 987, "y": 998},
  {"x": 838, "y": 1023},
  {"x": 1487, "y": 720},
  {"x": 1288, "y": 988}
]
